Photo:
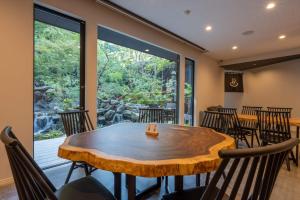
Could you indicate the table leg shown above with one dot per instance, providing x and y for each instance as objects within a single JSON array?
[
  {"x": 118, "y": 185},
  {"x": 178, "y": 183},
  {"x": 131, "y": 181},
  {"x": 198, "y": 180},
  {"x": 297, "y": 147}
]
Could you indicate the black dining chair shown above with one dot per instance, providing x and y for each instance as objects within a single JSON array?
[
  {"x": 281, "y": 109},
  {"x": 274, "y": 127},
  {"x": 231, "y": 125},
  {"x": 211, "y": 119},
  {"x": 250, "y": 126},
  {"x": 77, "y": 121},
  {"x": 33, "y": 184},
  {"x": 251, "y": 174},
  {"x": 169, "y": 116},
  {"x": 151, "y": 115}
]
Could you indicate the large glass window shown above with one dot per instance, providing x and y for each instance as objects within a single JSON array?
[
  {"x": 131, "y": 75},
  {"x": 189, "y": 92},
  {"x": 58, "y": 79}
]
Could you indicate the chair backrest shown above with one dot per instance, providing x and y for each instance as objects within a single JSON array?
[
  {"x": 31, "y": 182},
  {"x": 151, "y": 115},
  {"x": 228, "y": 110},
  {"x": 273, "y": 126},
  {"x": 169, "y": 115},
  {"x": 211, "y": 119},
  {"x": 76, "y": 121},
  {"x": 250, "y": 110},
  {"x": 230, "y": 126},
  {"x": 281, "y": 109},
  {"x": 231, "y": 111},
  {"x": 251, "y": 173}
]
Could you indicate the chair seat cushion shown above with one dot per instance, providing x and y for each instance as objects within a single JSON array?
[{"x": 87, "y": 188}]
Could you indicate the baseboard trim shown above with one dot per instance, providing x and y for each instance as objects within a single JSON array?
[{"x": 6, "y": 181}]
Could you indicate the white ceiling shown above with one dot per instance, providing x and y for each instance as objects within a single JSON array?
[{"x": 228, "y": 18}]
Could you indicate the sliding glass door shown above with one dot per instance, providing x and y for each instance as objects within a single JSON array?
[
  {"x": 58, "y": 79},
  {"x": 133, "y": 74},
  {"x": 189, "y": 92}
]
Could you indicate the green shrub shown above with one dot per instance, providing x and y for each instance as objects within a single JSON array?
[{"x": 50, "y": 135}]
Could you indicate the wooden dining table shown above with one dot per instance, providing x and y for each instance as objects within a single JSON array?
[
  {"x": 294, "y": 121},
  {"x": 125, "y": 148}
]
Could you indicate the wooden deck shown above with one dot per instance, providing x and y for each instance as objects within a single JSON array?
[{"x": 45, "y": 152}]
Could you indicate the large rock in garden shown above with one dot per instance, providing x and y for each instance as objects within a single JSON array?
[
  {"x": 38, "y": 96},
  {"x": 109, "y": 115},
  {"x": 120, "y": 108},
  {"x": 101, "y": 120},
  {"x": 108, "y": 123},
  {"x": 103, "y": 105},
  {"x": 127, "y": 114},
  {"x": 134, "y": 117},
  {"x": 55, "y": 118},
  {"x": 101, "y": 111},
  {"x": 118, "y": 118},
  {"x": 114, "y": 102},
  {"x": 108, "y": 107}
]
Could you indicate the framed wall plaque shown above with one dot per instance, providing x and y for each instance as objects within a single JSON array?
[{"x": 234, "y": 82}]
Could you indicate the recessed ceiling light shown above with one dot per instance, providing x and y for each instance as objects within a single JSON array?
[
  {"x": 234, "y": 48},
  {"x": 147, "y": 50},
  {"x": 187, "y": 12},
  {"x": 281, "y": 37},
  {"x": 270, "y": 5},
  {"x": 208, "y": 28}
]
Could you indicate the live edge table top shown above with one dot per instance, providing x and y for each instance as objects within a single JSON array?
[{"x": 125, "y": 148}]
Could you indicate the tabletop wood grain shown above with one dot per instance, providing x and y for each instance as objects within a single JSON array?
[{"x": 125, "y": 148}]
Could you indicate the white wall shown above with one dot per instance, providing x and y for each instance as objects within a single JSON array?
[
  {"x": 16, "y": 67},
  {"x": 274, "y": 85},
  {"x": 16, "y": 63}
]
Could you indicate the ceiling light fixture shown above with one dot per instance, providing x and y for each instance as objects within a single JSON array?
[
  {"x": 187, "y": 12},
  {"x": 234, "y": 48},
  {"x": 281, "y": 37},
  {"x": 147, "y": 50},
  {"x": 208, "y": 28},
  {"x": 270, "y": 5}
]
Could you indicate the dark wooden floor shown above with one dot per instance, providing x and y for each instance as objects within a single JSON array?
[
  {"x": 45, "y": 152},
  {"x": 286, "y": 188}
]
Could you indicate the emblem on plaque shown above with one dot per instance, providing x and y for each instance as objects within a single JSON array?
[{"x": 233, "y": 83}]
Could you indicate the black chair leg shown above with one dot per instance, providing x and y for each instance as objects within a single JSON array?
[
  {"x": 247, "y": 143},
  {"x": 198, "y": 180},
  {"x": 70, "y": 172},
  {"x": 287, "y": 160},
  {"x": 207, "y": 178},
  {"x": 126, "y": 181},
  {"x": 86, "y": 169},
  {"x": 167, "y": 185},
  {"x": 293, "y": 158},
  {"x": 257, "y": 139}
]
